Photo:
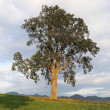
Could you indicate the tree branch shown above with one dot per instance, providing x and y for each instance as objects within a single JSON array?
[
  {"x": 64, "y": 66},
  {"x": 57, "y": 62}
]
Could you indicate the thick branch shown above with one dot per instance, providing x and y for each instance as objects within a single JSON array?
[
  {"x": 64, "y": 66},
  {"x": 57, "y": 64}
]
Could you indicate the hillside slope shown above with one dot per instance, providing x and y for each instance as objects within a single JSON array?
[{"x": 13, "y": 102}]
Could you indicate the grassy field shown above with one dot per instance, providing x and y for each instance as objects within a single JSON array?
[{"x": 12, "y": 102}]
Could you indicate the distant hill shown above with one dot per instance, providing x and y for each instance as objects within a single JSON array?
[
  {"x": 88, "y": 98},
  {"x": 16, "y": 93},
  {"x": 75, "y": 97}
]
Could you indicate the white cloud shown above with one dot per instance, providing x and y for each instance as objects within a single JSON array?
[
  {"x": 105, "y": 43},
  {"x": 4, "y": 85},
  {"x": 10, "y": 14},
  {"x": 101, "y": 80},
  {"x": 93, "y": 78},
  {"x": 15, "y": 81},
  {"x": 104, "y": 93},
  {"x": 85, "y": 91},
  {"x": 61, "y": 82}
]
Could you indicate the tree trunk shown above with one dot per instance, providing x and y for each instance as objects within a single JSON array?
[{"x": 54, "y": 85}]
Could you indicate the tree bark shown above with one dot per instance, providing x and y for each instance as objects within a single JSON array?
[
  {"x": 54, "y": 85},
  {"x": 54, "y": 71}
]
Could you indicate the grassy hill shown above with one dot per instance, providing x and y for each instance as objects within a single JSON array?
[{"x": 13, "y": 102}]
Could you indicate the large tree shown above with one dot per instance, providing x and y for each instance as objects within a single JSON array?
[{"x": 62, "y": 43}]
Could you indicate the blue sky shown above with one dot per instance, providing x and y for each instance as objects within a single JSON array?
[{"x": 96, "y": 14}]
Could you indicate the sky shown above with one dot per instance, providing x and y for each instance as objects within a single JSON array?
[{"x": 95, "y": 13}]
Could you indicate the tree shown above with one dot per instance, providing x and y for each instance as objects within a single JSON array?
[{"x": 63, "y": 45}]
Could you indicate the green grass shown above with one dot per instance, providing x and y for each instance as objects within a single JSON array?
[{"x": 12, "y": 102}]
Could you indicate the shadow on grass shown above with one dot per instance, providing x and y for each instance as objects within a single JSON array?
[{"x": 13, "y": 102}]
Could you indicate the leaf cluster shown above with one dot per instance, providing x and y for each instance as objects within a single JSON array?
[{"x": 58, "y": 35}]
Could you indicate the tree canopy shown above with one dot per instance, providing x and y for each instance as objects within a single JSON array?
[{"x": 62, "y": 43}]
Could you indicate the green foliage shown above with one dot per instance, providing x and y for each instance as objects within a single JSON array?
[
  {"x": 58, "y": 35},
  {"x": 11, "y": 102}
]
